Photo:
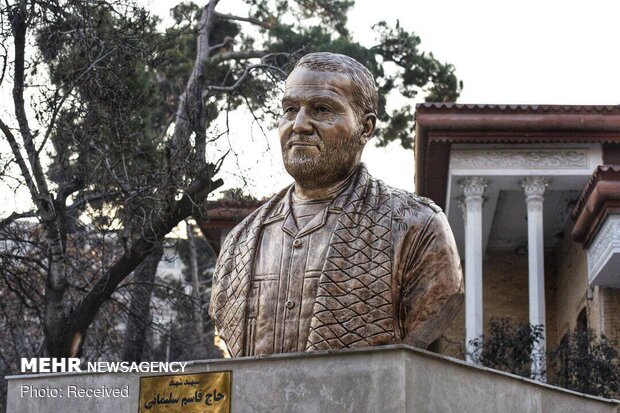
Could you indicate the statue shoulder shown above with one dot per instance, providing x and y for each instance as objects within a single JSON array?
[
  {"x": 260, "y": 213},
  {"x": 410, "y": 200},
  {"x": 428, "y": 202},
  {"x": 401, "y": 198}
]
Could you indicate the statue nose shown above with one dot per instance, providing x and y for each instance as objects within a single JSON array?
[{"x": 302, "y": 124}]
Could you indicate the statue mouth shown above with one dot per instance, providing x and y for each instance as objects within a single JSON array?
[
  {"x": 293, "y": 144},
  {"x": 304, "y": 144}
]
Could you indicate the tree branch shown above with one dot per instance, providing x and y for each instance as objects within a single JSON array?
[
  {"x": 242, "y": 78},
  {"x": 34, "y": 193},
  {"x": 191, "y": 297},
  {"x": 56, "y": 276},
  {"x": 75, "y": 185},
  {"x": 252, "y": 20},
  {"x": 16, "y": 215},
  {"x": 190, "y": 116},
  {"x": 19, "y": 26},
  {"x": 238, "y": 55},
  {"x": 5, "y": 60},
  {"x": 94, "y": 197}
]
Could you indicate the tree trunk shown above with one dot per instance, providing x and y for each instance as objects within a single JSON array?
[
  {"x": 193, "y": 266},
  {"x": 139, "y": 317}
]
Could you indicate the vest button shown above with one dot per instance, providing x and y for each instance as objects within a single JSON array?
[
  {"x": 290, "y": 304},
  {"x": 297, "y": 243}
]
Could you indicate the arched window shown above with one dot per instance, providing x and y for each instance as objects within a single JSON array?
[
  {"x": 582, "y": 322},
  {"x": 564, "y": 359}
]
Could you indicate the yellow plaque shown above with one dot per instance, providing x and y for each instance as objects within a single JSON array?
[{"x": 203, "y": 392}]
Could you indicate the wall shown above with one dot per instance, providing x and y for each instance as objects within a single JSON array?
[
  {"x": 611, "y": 314},
  {"x": 603, "y": 308}
]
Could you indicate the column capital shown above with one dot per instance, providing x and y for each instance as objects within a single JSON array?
[
  {"x": 473, "y": 186},
  {"x": 534, "y": 185}
]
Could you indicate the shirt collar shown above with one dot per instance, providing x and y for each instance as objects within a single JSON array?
[{"x": 282, "y": 209}]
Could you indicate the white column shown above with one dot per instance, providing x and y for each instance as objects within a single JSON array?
[
  {"x": 534, "y": 187},
  {"x": 473, "y": 189}
]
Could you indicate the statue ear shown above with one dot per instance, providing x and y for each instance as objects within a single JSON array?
[{"x": 369, "y": 122}]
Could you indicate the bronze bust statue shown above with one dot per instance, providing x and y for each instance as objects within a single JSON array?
[{"x": 338, "y": 259}]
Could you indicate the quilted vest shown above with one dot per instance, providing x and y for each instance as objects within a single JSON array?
[{"x": 358, "y": 295}]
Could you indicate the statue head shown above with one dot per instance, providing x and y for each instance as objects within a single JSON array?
[{"x": 328, "y": 115}]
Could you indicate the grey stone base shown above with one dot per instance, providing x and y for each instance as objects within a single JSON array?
[{"x": 381, "y": 379}]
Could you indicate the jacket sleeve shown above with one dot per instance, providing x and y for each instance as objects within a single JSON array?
[{"x": 432, "y": 281}]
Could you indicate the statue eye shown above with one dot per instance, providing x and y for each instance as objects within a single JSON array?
[
  {"x": 289, "y": 109},
  {"x": 322, "y": 109}
]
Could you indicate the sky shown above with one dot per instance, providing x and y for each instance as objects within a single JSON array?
[{"x": 505, "y": 52}]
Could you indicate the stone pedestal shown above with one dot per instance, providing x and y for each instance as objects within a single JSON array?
[{"x": 381, "y": 379}]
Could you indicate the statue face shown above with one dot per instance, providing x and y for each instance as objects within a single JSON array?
[{"x": 319, "y": 129}]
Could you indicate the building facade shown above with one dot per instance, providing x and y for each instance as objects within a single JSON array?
[{"x": 533, "y": 196}]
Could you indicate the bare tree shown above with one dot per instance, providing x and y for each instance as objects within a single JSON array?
[{"x": 139, "y": 316}]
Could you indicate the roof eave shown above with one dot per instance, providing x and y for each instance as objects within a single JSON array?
[{"x": 440, "y": 125}]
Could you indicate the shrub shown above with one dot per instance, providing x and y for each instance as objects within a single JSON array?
[{"x": 581, "y": 362}]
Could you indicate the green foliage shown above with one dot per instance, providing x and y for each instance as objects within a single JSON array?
[
  {"x": 586, "y": 363},
  {"x": 416, "y": 73},
  {"x": 331, "y": 13},
  {"x": 508, "y": 346},
  {"x": 581, "y": 362},
  {"x": 111, "y": 115}
]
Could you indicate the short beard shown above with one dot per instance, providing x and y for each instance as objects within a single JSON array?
[{"x": 329, "y": 167}]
